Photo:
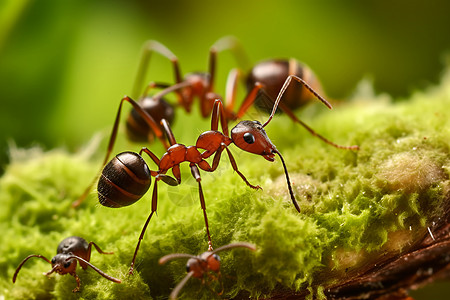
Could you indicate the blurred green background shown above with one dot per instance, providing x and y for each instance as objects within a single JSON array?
[{"x": 64, "y": 65}]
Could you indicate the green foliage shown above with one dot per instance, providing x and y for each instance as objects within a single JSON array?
[{"x": 377, "y": 200}]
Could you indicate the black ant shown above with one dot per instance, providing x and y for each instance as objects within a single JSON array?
[
  {"x": 194, "y": 85},
  {"x": 201, "y": 265},
  {"x": 126, "y": 178},
  {"x": 69, "y": 251}
]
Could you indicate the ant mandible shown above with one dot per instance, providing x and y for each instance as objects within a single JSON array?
[
  {"x": 194, "y": 85},
  {"x": 69, "y": 251},
  {"x": 201, "y": 265},
  {"x": 126, "y": 178}
]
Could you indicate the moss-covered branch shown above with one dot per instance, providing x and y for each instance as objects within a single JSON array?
[{"x": 359, "y": 209}]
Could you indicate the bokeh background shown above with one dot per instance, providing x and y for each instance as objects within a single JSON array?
[{"x": 64, "y": 65}]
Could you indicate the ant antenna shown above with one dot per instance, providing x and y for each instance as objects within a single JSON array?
[
  {"x": 283, "y": 89},
  {"x": 235, "y": 245},
  {"x": 24, "y": 261},
  {"x": 94, "y": 267},
  {"x": 291, "y": 192}
]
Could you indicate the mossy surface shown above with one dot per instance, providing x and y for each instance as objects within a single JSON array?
[{"x": 356, "y": 207}]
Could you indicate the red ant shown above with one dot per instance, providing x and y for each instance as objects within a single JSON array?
[
  {"x": 69, "y": 251},
  {"x": 196, "y": 84},
  {"x": 126, "y": 178},
  {"x": 201, "y": 265}
]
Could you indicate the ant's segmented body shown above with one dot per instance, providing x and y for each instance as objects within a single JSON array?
[
  {"x": 201, "y": 265},
  {"x": 119, "y": 185},
  {"x": 69, "y": 251}
]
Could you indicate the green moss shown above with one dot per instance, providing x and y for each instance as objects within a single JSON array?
[{"x": 376, "y": 201}]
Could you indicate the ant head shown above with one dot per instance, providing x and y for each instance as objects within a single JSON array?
[
  {"x": 250, "y": 136},
  {"x": 61, "y": 265},
  {"x": 198, "y": 266}
]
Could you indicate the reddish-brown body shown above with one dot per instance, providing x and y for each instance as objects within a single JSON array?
[
  {"x": 210, "y": 141},
  {"x": 126, "y": 178},
  {"x": 202, "y": 265}
]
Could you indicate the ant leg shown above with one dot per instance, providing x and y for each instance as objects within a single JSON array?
[
  {"x": 87, "y": 257},
  {"x": 196, "y": 174},
  {"x": 141, "y": 236},
  {"x": 152, "y": 85},
  {"x": 168, "y": 131},
  {"x": 98, "y": 248},
  {"x": 231, "y": 89},
  {"x": 233, "y": 44},
  {"x": 312, "y": 132},
  {"x": 174, "y": 294},
  {"x": 147, "y": 50},
  {"x": 295, "y": 119},
  {"x": 235, "y": 168},
  {"x": 217, "y": 156},
  {"x": 249, "y": 99},
  {"x": 212, "y": 69},
  {"x": 218, "y": 112},
  {"x": 286, "y": 83},
  {"x": 78, "y": 282},
  {"x": 151, "y": 155}
]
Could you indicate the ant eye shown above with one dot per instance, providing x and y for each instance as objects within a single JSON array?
[
  {"x": 53, "y": 261},
  {"x": 188, "y": 268},
  {"x": 249, "y": 138},
  {"x": 216, "y": 257},
  {"x": 66, "y": 265}
]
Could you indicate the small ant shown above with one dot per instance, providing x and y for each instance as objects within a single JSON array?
[
  {"x": 69, "y": 251},
  {"x": 201, "y": 265},
  {"x": 194, "y": 85}
]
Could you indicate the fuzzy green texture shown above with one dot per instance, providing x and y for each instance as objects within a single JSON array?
[{"x": 356, "y": 207}]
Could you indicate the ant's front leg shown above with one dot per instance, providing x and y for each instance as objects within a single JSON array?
[{"x": 216, "y": 161}]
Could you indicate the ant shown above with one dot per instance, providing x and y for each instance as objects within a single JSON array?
[
  {"x": 194, "y": 85},
  {"x": 201, "y": 265},
  {"x": 126, "y": 178},
  {"x": 69, "y": 251}
]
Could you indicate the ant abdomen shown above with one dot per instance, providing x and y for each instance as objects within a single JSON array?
[
  {"x": 124, "y": 180},
  {"x": 137, "y": 129},
  {"x": 273, "y": 73}
]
